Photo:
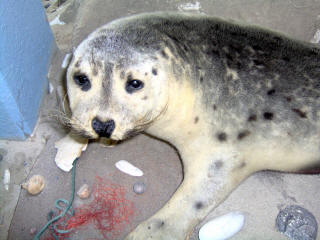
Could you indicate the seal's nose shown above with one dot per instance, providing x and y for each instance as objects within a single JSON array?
[{"x": 103, "y": 129}]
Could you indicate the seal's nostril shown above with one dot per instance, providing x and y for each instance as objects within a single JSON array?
[
  {"x": 96, "y": 125},
  {"x": 109, "y": 127}
]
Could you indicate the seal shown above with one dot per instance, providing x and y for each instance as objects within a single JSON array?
[{"x": 233, "y": 99}]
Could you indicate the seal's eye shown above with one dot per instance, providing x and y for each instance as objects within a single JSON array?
[
  {"x": 82, "y": 81},
  {"x": 134, "y": 85}
]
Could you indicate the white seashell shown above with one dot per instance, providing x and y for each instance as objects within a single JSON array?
[
  {"x": 51, "y": 87},
  {"x": 57, "y": 21},
  {"x": 316, "y": 37},
  {"x": 128, "y": 168},
  {"x": 189, "y": 6},
  {"x": 66, "y": 60},
  {"x": 222, "y": 227},
  {"x": 69, "y": 148},
  {"x": 6, "y": 179},
  {"x": 84, "y": 147}
]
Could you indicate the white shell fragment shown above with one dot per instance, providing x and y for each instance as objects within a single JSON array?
[
  {"x": 66, "y": 60},
  {"x": 34, "y": 185},
  {"x": 57, "y": 21},
  {"x": 128, "y": 168},
  {"x": 316, "y": 37},
  {"x": 84, "y": 191},
  {"x": 51, "y": 88},
  {"x": 189, "y": 6},
  {"x": 6, "y": 179},
  {"x": 222, "y": 227},
  {"x": 69, "y": 148}
]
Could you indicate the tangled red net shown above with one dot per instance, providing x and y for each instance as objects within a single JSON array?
[{"x": 109, "y": 211}]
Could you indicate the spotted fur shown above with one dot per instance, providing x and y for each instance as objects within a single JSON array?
[{"x": 233, "y": 99}]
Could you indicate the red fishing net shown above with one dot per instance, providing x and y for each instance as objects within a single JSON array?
[{"x": 109, "y": 211}]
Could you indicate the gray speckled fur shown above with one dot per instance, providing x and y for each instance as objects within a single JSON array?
[
  {"x": 275, "y": 74},
  {"x": 233, "y": 100}
]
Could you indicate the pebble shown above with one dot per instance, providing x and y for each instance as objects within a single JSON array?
[
  {"x": 47, "y": 5},
  {"x": 297, "y": 223},
  {"x": 84, "y": 191},
  {"x": 223, "y": 227},
  {"x": 34, "y": 185},
  {"x": 139, "y": 187},
  {"x": 1, "y": 157}
]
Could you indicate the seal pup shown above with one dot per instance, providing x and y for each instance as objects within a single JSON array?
[{"x": 232, "y": 99}]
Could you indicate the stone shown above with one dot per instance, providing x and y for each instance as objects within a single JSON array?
[
  {"x": 84, "y": 191},
  {"x": 297, "y": 223},
  {"x": 34, "y": 185},
  {"x": 139, "y": 187}
]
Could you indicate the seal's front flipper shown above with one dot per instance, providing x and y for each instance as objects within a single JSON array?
[{"x": 199, "y": 194}]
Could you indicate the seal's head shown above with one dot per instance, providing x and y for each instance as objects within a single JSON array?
[{"x": 114, "y": 83}]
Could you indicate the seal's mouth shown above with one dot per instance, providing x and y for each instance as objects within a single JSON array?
[{"x": 83, "y": 133}]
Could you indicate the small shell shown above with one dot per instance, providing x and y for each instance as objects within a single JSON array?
[
  {"x": 34, "y": 185},
  {"x": 84, "y": 191},
  {"x": 51, "y": 88},
  {"x": 6, "y": 179},
  {"x": 128, "y": 168},
  {"x": 222, "y": 227},
  {"x": 66, "y": 60},
  {"x": 57, "y": 21}
]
